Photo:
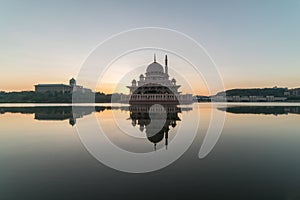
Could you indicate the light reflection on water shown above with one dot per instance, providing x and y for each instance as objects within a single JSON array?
[{"x": 256, "y": 157}]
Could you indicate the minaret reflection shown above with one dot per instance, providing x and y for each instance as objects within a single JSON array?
[{"x": 157, "y": 122}]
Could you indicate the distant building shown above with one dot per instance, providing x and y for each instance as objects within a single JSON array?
[
  {"x": 63, "y": 88},
  {"x": 199, "y": 98},
  {"x": 53, "y": 88},
  {"x": 294, "y": 92},
  {"x": 274, "y": 94},
  {"x": 220, "y": 98}
]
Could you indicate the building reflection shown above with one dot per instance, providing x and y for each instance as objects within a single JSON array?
[
  {"x": 155, "y": 122},
  {"x": 55, "y": 113}
]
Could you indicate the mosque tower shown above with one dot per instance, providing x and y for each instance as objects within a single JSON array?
[{"x": 166, "y": 66}]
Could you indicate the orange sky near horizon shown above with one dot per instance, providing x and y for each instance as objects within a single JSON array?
[
  {"x": 255, "y": 44},
  {"x": 121, "y": 73},
  {"x": 10, "y": 85},
  {"x": 25, "y": 84}
]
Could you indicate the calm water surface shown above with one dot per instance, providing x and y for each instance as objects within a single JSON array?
[{"x": 256, "y": 156}]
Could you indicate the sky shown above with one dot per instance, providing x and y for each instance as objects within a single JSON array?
[{"x": 254, "y": 43}]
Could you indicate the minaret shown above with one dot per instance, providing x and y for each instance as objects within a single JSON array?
[
  {"x": 166, "y": 65},
  {"x": 166, "y": 137},
  {"x": 154, "y": 57}
]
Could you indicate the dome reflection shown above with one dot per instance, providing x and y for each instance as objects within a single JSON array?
[{"x": 155, "y": 121}]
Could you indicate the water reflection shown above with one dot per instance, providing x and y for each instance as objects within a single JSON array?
[
  {"x": 60, "y": 113},
  {"x": 55, "y": 113},
  {"x": 155, "y": 120},
  {"x": 267, "y": 110},
  {"x": 257, "y": 156}
]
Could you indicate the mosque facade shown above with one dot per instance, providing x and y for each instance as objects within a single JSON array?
[{"x": 156, "y": 86}]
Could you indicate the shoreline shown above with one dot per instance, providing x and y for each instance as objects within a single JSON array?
[{"x": 29, "y": 104}]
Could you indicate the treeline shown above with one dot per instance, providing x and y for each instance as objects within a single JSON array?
[
  {"x": 276, "y": 92},
  {"x": 293, "y": 98},
  {"x": 53, "y": 97}
]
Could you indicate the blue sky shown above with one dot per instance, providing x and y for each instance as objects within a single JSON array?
[{"x": 254, "y": 43}]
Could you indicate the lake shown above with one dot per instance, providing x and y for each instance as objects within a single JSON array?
[{"x": 44, "y": 154}]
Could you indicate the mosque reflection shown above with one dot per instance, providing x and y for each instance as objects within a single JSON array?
[
  {"x": 155, "y": 121},
  {"x": 266, "y": 110},
  {"x": 60, "y": 113}
]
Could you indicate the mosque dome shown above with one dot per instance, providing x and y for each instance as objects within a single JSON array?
[
  {"x": 155, "y": 68},
  {"x": 155, "y": 138}
]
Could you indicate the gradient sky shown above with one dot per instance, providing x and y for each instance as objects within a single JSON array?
[{"x": 254, "y": 43}]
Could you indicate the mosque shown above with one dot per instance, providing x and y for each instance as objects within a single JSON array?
[{"x": 156, "y": 86}]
